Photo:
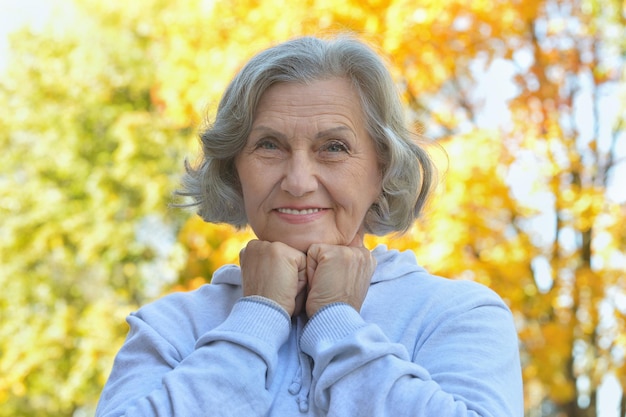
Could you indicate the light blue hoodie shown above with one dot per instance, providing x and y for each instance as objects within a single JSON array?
[{"x": 421, "y": 346}]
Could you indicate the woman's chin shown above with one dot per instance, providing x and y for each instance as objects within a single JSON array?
[
  {"x": 299, "y": 244},
  {"x": 303, "y": 243}
]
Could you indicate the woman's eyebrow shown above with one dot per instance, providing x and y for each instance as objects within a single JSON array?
[
  {"x": 321, "y": 134},
  {"x": 333, "y": 130},
  {"x": 268, "y": 130}
]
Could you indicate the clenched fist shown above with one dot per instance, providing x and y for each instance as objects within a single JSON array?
[
  {"x": 338, "y": 274},
  {"x": 275, "y": 271}
]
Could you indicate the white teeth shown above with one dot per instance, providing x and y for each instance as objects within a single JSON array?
[{"x": 291, "y": 211}]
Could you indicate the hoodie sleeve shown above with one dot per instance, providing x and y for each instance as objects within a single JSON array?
[
  {"x": 467, "y": 366},
  {"x": 227, "y": 373}
]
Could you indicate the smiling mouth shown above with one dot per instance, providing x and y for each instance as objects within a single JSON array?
[{"x": 293, "y": 211}]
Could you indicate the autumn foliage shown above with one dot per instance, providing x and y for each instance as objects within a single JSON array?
[{"x": 522, "y": 103}]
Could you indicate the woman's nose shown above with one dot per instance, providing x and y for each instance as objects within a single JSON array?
[{"x": 299, "y": 177}]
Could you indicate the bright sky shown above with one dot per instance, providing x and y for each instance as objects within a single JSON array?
[{"x": 17, "y": 13}]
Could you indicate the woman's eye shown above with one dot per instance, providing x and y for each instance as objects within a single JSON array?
[
  {"x": 266, "y": 144},
  {"x": 335, "y": 147}
]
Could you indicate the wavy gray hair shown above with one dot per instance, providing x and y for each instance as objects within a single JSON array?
[{"x": 407, "y": 170}]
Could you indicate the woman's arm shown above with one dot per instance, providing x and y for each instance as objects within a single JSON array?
[
  {"x": 468, "y": 366},
  {"x": 227, "y": 373},
  {"x": 231, "y": 366}
]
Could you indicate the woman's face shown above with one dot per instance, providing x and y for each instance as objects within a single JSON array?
[{"x": 309, "y": 171}]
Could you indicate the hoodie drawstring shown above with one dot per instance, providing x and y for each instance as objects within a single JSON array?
[{"x": 301, "y": 383}]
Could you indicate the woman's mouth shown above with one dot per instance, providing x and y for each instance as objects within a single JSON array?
[{"x": 297, "y": 212}]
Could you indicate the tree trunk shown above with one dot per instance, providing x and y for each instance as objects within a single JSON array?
[{"x": 571, "y": 409}]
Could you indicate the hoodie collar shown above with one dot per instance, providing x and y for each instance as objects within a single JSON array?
[{"x": 391, "y": 264}]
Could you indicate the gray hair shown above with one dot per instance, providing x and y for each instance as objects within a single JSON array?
[{"x": 408, "y": 173}]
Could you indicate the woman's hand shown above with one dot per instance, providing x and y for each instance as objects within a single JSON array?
[
  {"x": 338, "y": 274},
  {"x": 275, "y": 271}
]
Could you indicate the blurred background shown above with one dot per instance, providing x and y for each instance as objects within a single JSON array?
[{"x": 101, "y": 101}]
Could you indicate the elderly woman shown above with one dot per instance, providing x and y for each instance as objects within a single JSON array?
[{"x": 309, "y": 148}]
